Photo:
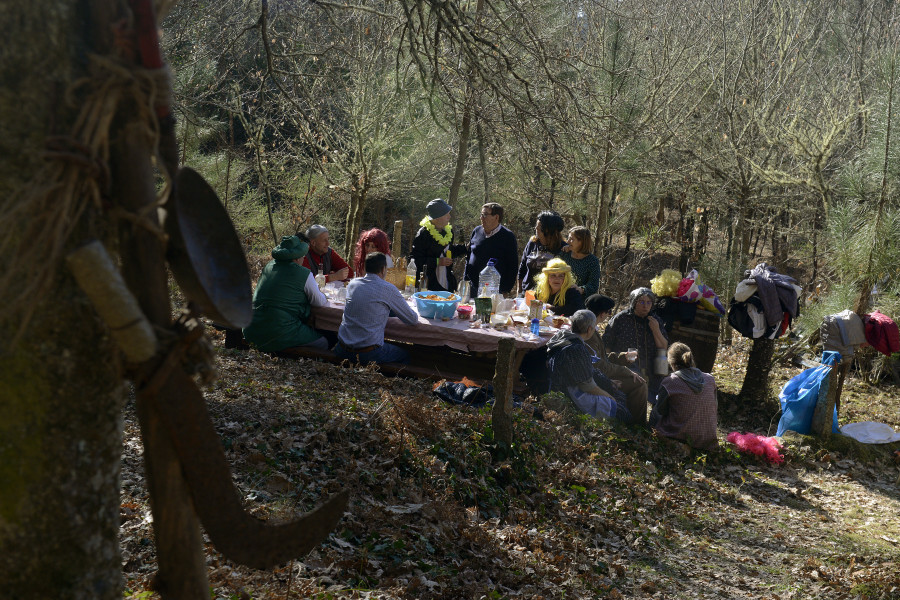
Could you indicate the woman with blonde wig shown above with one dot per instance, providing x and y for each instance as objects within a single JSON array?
[{"x": 556, "y": 288}]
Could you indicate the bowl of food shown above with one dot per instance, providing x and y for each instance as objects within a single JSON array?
[{"x": 436, "y": 305}]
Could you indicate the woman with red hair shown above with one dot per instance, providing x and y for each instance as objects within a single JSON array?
[{"x": 371, "y": 240}]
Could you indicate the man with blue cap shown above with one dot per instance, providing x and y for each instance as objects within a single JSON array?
[{"x": 433, "y": 248}]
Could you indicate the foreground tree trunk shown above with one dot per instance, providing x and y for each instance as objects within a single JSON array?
[
  {"x": 755, "y": 389},
  {"x": 61, "y": 390}
]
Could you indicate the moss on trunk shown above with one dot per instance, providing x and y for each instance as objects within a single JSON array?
[{"x": 60, "y": 388}]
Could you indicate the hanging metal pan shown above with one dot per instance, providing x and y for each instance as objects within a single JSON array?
[{"x": 205, "y": 254}]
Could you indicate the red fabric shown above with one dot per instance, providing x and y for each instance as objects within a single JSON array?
[
  {"x": 882, "y": 333},
  {"x": 767, "y": 447},
  {"x": 337, "y": 263}
]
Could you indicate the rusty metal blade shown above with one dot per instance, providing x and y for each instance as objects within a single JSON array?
[{"x": 238, "y": 535}]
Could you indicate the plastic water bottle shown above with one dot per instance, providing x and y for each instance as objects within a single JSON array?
[
  {"x": 411, "y": 275},
  {"x": 536, "y": 327},
  {"x": 489, "y": 281}
]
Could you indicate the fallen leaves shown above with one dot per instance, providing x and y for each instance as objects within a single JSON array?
[{"x": 578, "y": 509}]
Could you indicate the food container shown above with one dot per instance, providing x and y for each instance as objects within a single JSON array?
[
  {"x": 465, "y": 311},
  {"x": 436, "y": 305}
]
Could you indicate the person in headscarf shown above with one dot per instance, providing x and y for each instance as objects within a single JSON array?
[
  {"x": 433, "y": 248},
  {"x": 570, "y": 364},
  {"x": 282, "y": 301},
  {"x": 686, "y": 407},
  {"x": 371, "y": 240},
  {"x": 546, "y": 243},
  {"x": 636, "y": 327},
  {"x": 556, "y": 288}
]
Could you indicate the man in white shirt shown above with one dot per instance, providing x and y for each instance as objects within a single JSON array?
[{"x": 370, "y": 301}]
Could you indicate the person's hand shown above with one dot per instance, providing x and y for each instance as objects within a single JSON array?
[
  {"x": 617, "y": 383},
  {"x": 339, "y": 275},
  {"x": 654, "y": 324},
  {"x": 565, "y": 248},
  {"x": 580, "y": 289},
  {"x": 444, "y": 261},
  {"x": 637, "y": 378}
]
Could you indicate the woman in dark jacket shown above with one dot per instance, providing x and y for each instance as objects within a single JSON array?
[
  {"x": 546, "y": 243},
  {"x": 433, "y": 248},
  {"x": 635, "y": 327}
]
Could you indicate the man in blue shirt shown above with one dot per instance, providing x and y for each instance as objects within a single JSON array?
[
  {"x": 493, "y": 240},
  {"x": 370, "y": 301}
]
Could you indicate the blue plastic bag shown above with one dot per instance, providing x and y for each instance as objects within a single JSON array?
[{"x": 799, "y": 396}]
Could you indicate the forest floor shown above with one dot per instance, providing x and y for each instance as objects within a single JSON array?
[{"x": 577, "y": 509}]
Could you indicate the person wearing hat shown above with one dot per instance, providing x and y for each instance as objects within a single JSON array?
[
  {"x": 323, "y": 259},
  {"x": 556, "y": 288},
  {"x": 635, "y": 327},
  {"x": 433, "y": 248},
  {"x": 546, "y": 243},
  {"x": 284, "y": 295},
  {"x": 492, "y": 240},
  {"x": 632, "y": 384}
]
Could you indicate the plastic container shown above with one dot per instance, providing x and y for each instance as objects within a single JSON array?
[
  {"x": 436, "y": 309},
  {"x": 465, "y": 311},
  {"x": 411, "y": 275},
  {"x": 536, "y": 327},
  {"x": 489, "y": 281}
]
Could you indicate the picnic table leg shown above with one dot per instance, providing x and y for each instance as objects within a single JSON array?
[{"x": 501, "y": 417}]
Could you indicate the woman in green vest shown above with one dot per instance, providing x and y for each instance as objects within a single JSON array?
[{"x": 284, "y": 295}]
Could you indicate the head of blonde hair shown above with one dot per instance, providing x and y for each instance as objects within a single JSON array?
[{"x": 542, "y": 290}]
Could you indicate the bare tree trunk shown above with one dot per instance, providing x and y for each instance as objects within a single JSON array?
[
  {"x": 61, "y": 391},
  {"x": 755, "y": 389},
  {"x": 482, "y": 159}
]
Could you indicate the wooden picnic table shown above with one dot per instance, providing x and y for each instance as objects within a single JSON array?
[{"x": 449, "y": 348}]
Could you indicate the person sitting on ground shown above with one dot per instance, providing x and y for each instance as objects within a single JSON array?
[
  {"x": 686, "y": 407},
  {"x": 556, "y": 288},
  {"x": 635, "y": 327},
  {"x": 433, "y": 248},
  {"x": 370, "y": 301},
  {"x": 323, "y": 259},
  {"x": 585, "y": 266},
  {"x": 284, "y": 294},
  {"x": 570, "y": 359},
  {"x": 632, "y": 384},
  {"x": 492, "y": 240},
  {"x": 546, "y": 243},
  {"x": 371, "y": 240}
]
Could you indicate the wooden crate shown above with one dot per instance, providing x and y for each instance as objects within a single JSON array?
[{"x": 702, "y": 336}]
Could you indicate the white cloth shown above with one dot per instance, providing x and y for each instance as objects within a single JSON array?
[
  {"x": 744, "y": 290},
  {"x": 315, "y": 295},
  {"x": 871, "y": 432},
  {"x": 759, "y": 321},
  {"x": 441, "y": 272}
]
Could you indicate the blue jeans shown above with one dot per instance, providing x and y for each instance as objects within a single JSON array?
[{"x": 384, "y": 354}]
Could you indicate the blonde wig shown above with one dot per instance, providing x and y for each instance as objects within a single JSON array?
[{"x": 542, "y": 291}]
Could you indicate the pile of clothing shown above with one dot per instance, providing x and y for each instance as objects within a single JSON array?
[
  {"x": 688, "y": 289},
  {"x": 765, "y": 303}
]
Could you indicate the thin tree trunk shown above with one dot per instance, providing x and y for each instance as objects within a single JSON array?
[{"x": 482, "y": 159}]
